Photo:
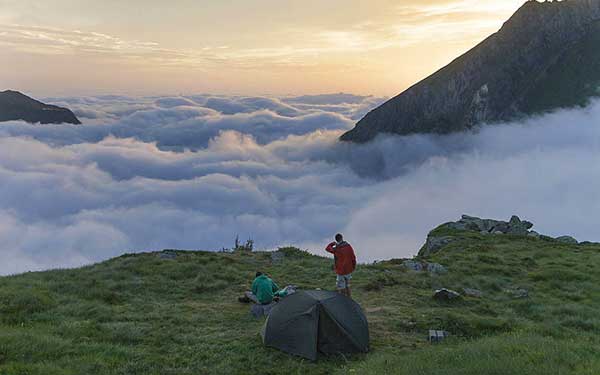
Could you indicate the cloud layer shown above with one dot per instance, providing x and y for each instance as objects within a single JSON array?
[{"x": 193, "y": 172}]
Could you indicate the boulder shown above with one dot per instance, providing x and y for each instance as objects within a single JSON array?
[
  {"x": 412, "y": 265},
  {"x": 533, "y": 234},
  {"x": 436, "y": 336},
  {"x": 436, "y": 268},
  {"x": 475, "y": 293},
  {"x": 567, "y": 239},
  {"x": 518, "y": 227},
  {"x": 446, "y": 295},
  {"x": 435, "y": 244}
]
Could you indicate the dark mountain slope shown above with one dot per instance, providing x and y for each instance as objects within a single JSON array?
[
  {"x": 17, "y": 106},
  {"x": 545, "y": 56}
]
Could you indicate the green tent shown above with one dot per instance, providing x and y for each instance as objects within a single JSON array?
[{"x": 310, "y": 322}]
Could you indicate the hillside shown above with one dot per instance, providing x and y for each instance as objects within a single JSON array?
[
  {"x": 176, "y": 312},
  {"x": 545, "y": 57},
  {"x": 17, "y": 106}
]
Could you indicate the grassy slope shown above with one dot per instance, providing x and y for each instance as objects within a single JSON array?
[{"x": 139, "y": 314}]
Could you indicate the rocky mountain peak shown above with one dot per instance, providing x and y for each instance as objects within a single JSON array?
[{"x": 543, "y": 58}]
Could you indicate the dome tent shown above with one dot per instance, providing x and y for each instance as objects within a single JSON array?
[{"x": 315, "y": 321}]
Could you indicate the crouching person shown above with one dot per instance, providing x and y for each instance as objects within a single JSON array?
[
  {"x": 263, "y": 294},
  {"x": 345, "y": 263}
]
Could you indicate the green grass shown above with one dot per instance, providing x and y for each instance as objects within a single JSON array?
[{"x": 140, "y": 314}]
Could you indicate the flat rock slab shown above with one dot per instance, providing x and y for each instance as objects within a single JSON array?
[
  {"x": 436, "y": 336},
  {"x": 475, "y": 293}
]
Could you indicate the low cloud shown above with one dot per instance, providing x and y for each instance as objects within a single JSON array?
[{"x": 193, "y": 172}]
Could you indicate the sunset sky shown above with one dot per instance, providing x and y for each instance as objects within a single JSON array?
[{"x": 251, "y": 47}]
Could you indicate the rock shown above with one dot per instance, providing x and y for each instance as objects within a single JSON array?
[
  {"x": 533, "y": 234},
  {"x": 567, "y": 239},
  {"x": 518, "y": 227},
  {"x": 429, "y": 267},
  {"x": 514, "y": 226},
  {"x": 372, "y": 310},
  {"x": 446, "y": 295},
  {"x": 435, "y": 244},
  {"x": 501, "y": 227},
  {"x": 518, "y": 293},
  {"x": 167, "y": 255},
  {"x": 498, "y": 232},
  {"x": 475, "y": 293},
  {"x": 436, "y": 336},
  {"x": 436, "y": 268},
  {"x": 412, "y": 265}
]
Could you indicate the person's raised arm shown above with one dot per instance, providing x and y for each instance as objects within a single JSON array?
[{"x": 330, "y": 248}]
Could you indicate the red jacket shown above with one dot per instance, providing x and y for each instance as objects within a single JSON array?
[{"x": 345, "y": 260}]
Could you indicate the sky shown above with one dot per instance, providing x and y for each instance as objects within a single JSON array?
[
  {"x": 247, "y": 47},
  {"x": 203, "y": 121}
]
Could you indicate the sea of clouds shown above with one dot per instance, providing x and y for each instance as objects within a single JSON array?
[{"x": 194, "y": 172}]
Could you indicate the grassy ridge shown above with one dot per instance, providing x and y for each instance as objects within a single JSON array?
[{"x": 140, "y": 314}]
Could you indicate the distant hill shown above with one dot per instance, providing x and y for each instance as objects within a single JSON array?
[
  {"x": 529, "y": 305},
  {"x": 17, "y": 106},
  {"x": 544, "y": 57}
]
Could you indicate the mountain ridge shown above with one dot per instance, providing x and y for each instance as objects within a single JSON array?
[
  {"x": 543, "y": 58},
  {"x": 15, "y": 106}
]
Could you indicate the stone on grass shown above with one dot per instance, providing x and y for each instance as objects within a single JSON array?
[
  {"x": 435, "y": 244},
  {"x": 446, "y": 295},
  {"x": 475, "y": 293},
  {"x": 436, "y": 268},
  {"x": 436, "y": 336},
  {"x": 567, "y": 239},
  {"x": 412, "y": 265}
]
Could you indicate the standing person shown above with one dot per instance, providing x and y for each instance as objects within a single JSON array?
[{"x": 345, "y": 263}]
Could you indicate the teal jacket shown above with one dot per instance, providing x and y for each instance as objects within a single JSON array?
[{"x": 264, "y": 289}]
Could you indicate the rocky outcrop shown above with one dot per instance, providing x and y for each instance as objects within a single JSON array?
[
  {"x": 544, "y": 57},
  {"x": 439, "y": 238},
  {"x": 515, "y": 226},
  {"x": 16, "y": 106}
]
